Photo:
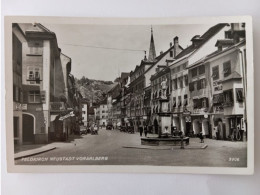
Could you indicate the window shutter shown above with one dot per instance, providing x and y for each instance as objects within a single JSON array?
[{"x": 198, "y": 84}]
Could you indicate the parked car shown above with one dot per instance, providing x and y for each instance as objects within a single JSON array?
[
  {"x": 109, "y": 127},
  {"x": 82, "y": 130}
]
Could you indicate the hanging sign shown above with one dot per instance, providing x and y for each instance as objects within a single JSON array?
[{"x": 71, "y": 114}]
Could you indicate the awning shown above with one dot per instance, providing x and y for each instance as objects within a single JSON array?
[{"x": 53, "y": 117}]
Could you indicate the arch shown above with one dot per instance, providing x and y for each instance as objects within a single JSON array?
[
  {"x": 196, "y": 126},
  {"x": 205, "y": 127},
  {"x": 176, "y": 122},
  {"x": 34, "y": 128},
  {"x": 29, "y": 126}
]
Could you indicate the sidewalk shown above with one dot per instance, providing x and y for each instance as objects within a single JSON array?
[
  {"x": 23, "y": 151},
  {"x": 30, "y": 150}
]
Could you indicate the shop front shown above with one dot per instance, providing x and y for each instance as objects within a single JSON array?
[
  {"x": 236, "y": 127},
  {"x": 201, "y": 123}
]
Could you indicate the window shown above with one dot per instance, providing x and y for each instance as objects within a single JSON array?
[
  {"x": 35, "y": 48},
  {"x": 227, "y": 68},
  {"x": 173, "y": 70},
  {"x": 202, "y": 69},
  {"x": 191, "y": 86},
  {"x": 185, "y": 100},
  {"x": 178, "y": 68},
  {"x": 194, "y": 72},
  {"x": 179, "y": 101},
  {"x": 203, "y": 83},
  {"x": 171, "y": 53},
  {"x": 218, "y": 99},
  {"x": 199, "y": 85},
  {"x": 204, "y": 102},
  {"x": 195, "y": 103},
  {"x": 215, "y": 73},
  {"x": 228, "y": 97},
  {"x": 34, "y": 75},
  {"x": 239, "y": 95},
  {"x": 34, "y": 97},
  {"x": 174, "y": 102},
  {"x": 174, "y": 83},
  {"x": 186, "y": 80},
  {"x": 180, "y": 82}
]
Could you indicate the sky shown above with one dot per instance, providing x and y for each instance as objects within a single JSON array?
[{"x": 107, "y": 64}]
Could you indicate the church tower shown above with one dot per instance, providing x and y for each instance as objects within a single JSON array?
[{"x": 152, "y": 53}]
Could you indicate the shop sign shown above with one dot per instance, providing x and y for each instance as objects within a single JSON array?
[
  {"x": 19, "y": 106},
  {"x": 24, "y": 106},
  {"x": 71, "y": 114},
  {"x": 187, "y": 119},
  {"x": 217, "y": 85}
]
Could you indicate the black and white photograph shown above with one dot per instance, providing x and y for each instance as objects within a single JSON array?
[{"x": 147, "y": 94}]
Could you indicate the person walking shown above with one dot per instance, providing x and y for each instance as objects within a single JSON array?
[
  {"x": 145, "y": 131},
  {"x": 141, "y": 131},
  {"x": 201, "y": 137}
]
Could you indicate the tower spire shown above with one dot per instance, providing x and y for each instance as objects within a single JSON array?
[{"x": 152, "y": 53}]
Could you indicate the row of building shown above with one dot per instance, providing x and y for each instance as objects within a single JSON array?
[
  {"x": 205, "y": 86},
  {"x": 46, "y": 103}
]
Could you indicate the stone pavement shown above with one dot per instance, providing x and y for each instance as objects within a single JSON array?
[{"x": 109, "y": 144}]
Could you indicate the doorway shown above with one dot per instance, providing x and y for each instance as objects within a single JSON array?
[{"x": 28, "y": 129}]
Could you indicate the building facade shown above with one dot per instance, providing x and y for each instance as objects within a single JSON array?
[{"x": 42, "y": 95}]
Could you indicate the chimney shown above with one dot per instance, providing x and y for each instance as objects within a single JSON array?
[
  {"x": 170, "y": 44},
  {"x": 196, "y": 40},
  {"x": 161, "y": 52},
  {"x": 176, "y": 45}
]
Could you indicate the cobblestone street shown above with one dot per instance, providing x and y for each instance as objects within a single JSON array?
[{"x": 108, "y": 148}]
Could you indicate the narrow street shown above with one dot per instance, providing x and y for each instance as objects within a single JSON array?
[{"x": 107, "y": 148}]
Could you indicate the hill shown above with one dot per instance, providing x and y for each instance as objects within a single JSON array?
[{"x": 93, "y": 89}]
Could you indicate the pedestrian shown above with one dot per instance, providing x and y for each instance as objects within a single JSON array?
[
  {"x": 145, "y": 131},
  {"x": 201, "y": 137},
  {"x": 141, "y": 131}
]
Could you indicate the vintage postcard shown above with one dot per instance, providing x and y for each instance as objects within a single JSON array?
[{"x": 148, "y": 95}]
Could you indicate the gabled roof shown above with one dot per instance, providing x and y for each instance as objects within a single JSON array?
[
  {"x": 158, "y": 58},
  {"x": 104, "y": 101},
  {"x": 224, "y": 42},
  {"x": 217, "y": 52},
  {"x": 33, "y": 28},
  {"x": 233, "y": 75},
  {"x": 124, "y": 75},
  {"x": 203, "y": 39}
]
